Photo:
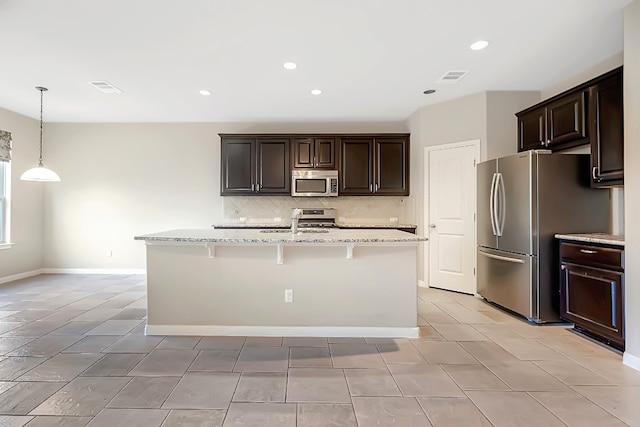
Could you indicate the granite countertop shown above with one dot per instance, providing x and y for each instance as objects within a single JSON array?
[
  {"x": 282, "y": 236},
  {"x": 279, "y": 225},
  {"x": 603, "y": 238}
]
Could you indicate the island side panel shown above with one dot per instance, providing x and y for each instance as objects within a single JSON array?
[{"x": 243, "y": 286}]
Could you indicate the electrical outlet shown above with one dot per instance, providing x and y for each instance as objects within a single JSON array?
[
  {"x": 109, "y": 253},
  {"x": 277, "y": 219},
  {"x": 288, "y": 295},
  {"x": 341, "y": 219},
  {"x": 243, "y": 219},
  {"x": 393, "y": 219}
]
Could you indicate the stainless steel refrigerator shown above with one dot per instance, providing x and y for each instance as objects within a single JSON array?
[{"x": 523, "y": 201}]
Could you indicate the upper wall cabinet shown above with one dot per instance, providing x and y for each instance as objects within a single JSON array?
[
  {"x": 255, "y": 165},
  {"x": 606, "y": 128},
  {"x": 591, "y": 113},
  {"x": 554, "y": 125},
  {"x": 374, "y": 165},
  {"x": 316, "y": 153}
]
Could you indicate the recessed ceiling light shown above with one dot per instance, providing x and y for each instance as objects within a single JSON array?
[
  {"x": 429, "y": 91},
  {"x": 290, "y": 65},
  {"x": 316, "y": 92},
  {"x": 479, "y": 45},
  {"x": 205, "y": 92}
]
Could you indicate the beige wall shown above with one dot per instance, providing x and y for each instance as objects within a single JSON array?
[
  {"x": 487, "y": 116},
  {"x": 632, "y": 176},
  {"x": 121, "y": 180},
  {"x": 27, "y": 198}
]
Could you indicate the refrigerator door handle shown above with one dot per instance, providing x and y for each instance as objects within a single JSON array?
[
  {"x": 501, "y": 258},
  {"x": 501, "y": 215},
  {"x": 492, "y": 204}
]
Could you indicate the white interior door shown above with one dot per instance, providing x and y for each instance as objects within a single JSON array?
[{"x": 451, "y": 215}]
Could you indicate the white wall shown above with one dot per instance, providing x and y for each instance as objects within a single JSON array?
[
  {"x": 632, "y": 178},
  {"x": 122, "y": 180},
  {"x": 27, "y": 198}
]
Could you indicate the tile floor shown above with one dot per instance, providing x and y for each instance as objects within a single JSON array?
[{"x": 73, "y": 353}]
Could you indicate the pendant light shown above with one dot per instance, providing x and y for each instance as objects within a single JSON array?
[{"x": 40, "y": 173}]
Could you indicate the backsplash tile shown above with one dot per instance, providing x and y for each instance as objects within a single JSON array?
[{"x": 355, "y": 210}]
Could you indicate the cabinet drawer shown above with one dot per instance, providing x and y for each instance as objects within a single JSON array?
[{"x": 596, "y": 256}]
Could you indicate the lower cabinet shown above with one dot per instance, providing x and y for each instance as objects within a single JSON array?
[{"x": 592, "y": 289}]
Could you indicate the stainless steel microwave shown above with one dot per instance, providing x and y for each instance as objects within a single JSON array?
[{"x": 314, "y": 183}]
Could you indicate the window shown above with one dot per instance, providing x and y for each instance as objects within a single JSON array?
[
  {"x": 5, "y": 176},
  {"x": 5, "y": 188}
]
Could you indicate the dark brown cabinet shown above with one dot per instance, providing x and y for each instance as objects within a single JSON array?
[
  {"x": 374, "y": 165},
  {"x": 558, "y": 124},
  {"x": 591, "y": 113},
  {"x": 607, "y": 132},
  {"x": 255, "y": 165},
  {"x": 592, "y": 289},
  {"x": 317, "y": 153}
]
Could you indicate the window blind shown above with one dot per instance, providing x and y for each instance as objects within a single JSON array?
[{"x": 5, "y": 146}]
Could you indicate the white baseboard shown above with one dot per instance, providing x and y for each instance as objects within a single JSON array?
[
  {"x": 283, "y": 331},
  {"x": 422, "y": 284},
  {"x": 19, "y": 276},
  {"x": 631, "y": 361},
  {"x": 94, "y": 271}
]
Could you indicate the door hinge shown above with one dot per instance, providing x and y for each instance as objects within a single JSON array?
[
  {"x": 474, "y": 162},
  {"x": 474, "y": 271}
]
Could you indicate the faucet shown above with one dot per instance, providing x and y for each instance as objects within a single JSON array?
[{"x": 295, "y": 216}]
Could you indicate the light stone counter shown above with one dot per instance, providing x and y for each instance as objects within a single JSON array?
[
  {"x": 274, "y": 236},
  {"x": 602, "y": 238},
  {"x": 343, "y": 283}
]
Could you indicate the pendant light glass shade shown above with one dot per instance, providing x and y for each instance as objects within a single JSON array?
[{"x": 40, "y": 173}]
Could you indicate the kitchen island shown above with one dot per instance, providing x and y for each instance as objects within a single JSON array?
[{"x": 271, "y": 282}]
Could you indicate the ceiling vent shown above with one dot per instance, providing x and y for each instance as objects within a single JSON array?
[
  {"x": 104, "y": 86},
  {"x": 451, "y": 77}
]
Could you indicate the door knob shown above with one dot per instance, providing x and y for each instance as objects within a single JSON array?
[{"x": 432, "y": 226}]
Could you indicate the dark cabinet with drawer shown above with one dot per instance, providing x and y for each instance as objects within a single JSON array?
[{"x": 592, "y": 289}]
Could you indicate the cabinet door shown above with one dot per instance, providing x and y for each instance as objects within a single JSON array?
[
  {"x": 303, "y": 152},
  {"x": 607, "y": 132},
  {"x": 318, "y": 153},
  {"x": 356, "y": 166},
  {"x": 592, "y": 299},
  {"x": 391, "y": 166},
  {"x": 531, "y": 130},
  {"x": 566, "y": 122},
  {"x": 273, "y": 166},
  {"x": 238, "y": 166},
  {"x": 325, "y": 153}
]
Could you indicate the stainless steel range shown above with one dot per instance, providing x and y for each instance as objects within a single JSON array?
[{"x": 317, "y": 217}]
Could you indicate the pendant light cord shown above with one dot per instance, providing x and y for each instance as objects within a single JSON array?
[{"x": 41, "y": 89}]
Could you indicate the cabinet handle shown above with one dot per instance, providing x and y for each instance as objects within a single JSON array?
[
  {"x": 258, "y": 186},
  {"x": 371, "y": 188},
  {"x": 376, "y": 187},
  {"x": 595, "y": 172},
  {"x": 315, "y": 164},
  {"x": 542, "y": 142},
  {"x": 588, "y": 251}
]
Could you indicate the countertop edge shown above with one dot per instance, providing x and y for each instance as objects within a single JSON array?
[{"x": 593, "y": 238}]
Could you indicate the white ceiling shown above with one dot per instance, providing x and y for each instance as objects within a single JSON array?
[{"x": 372, "y": 58}]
